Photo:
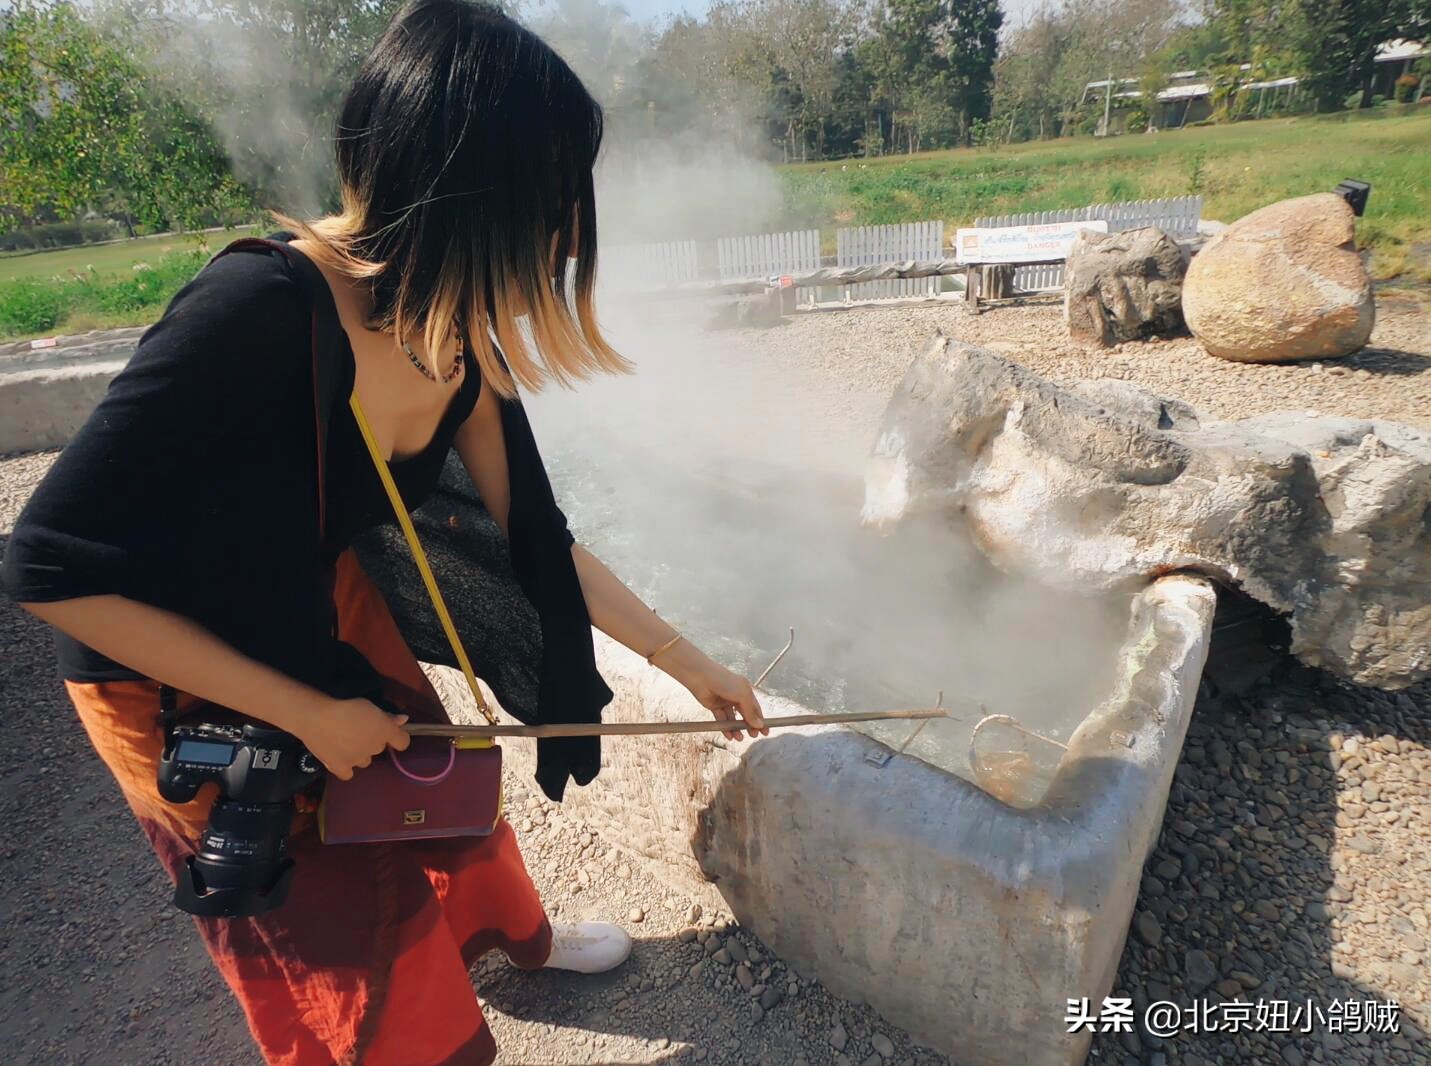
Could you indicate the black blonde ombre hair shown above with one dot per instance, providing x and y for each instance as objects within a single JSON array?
[{"x": 465, "y": 150}]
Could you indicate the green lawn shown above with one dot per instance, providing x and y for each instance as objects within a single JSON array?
[
  {"x": 117, "y": 257},
  {"x": 100, "y": 286},
  {"x": 1236, "y": 168}
]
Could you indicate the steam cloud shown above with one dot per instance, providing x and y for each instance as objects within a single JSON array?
[{"x": 726, "y": 489}]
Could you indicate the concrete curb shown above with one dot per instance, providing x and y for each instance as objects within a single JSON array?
[
  {"x": 43, "y": 408},
  {"x": 47, "y": 393}
]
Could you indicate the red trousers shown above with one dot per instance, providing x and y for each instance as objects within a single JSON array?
[{"x": 367, "y": 961}]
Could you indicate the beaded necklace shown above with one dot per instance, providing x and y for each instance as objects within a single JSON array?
[{"x": 447, "y": 377}]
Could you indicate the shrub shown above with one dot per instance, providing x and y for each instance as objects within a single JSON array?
[
  {"x": 148, "y": 286},
  {"x": 1406, "y": 87},
  {"x": 1137, "y": 121},
  {"x": 30, "y": 305},
  {"x": 38, "y": 305},
  {"x": 59, "y": 235},
  {"x": 1196, "y": 170}
]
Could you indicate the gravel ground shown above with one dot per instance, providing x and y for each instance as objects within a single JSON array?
[
  {"x": 1391, "y": 379},
  {"x": 1292, "y": 864}
]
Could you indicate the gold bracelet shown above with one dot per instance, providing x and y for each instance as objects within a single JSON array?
[{"x": 651, "y": 658}]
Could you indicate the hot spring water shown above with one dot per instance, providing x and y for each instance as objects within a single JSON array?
[{"x": 734, "y": 555}]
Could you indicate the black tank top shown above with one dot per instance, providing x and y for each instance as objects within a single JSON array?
[{"x": 355, "y": 496}]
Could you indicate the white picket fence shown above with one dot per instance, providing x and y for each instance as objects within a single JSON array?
[
  {"x": 759, "y": 256},
  {"x": 763, "y": 254},
  {"x": 650, "y": 266},
  {"x": 872, "y": 245},
  {"x": 1177, "y": 217}
]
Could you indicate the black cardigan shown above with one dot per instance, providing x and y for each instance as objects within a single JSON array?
[{"x": 194, "y": 486}]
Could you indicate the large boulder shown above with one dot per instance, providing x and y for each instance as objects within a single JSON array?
[
  {"x": 1101, "y": 486},
  {"x": 1123, "y": 286},
  {"x": 1281, "y": 284}
]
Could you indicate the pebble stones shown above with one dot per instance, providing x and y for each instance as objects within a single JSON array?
[
  {"x": 1147, "y": 927},
  {"x": 744, "y": 977},
  {"x": 1198, "y": 970},
  {"x": 1318, "y": 892}
]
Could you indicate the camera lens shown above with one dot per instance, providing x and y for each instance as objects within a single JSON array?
[{"x": 240, "y": 867}]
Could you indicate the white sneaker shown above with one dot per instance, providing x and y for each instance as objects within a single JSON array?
[{"x": 588, "y": 947}]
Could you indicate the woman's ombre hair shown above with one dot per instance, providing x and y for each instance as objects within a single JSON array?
[{"x": 465, "y": 150}]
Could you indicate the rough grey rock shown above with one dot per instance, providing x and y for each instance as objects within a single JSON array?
[
  {"x": 1147, "y": 927},
  {"x": 1281, "y": 284},
  {"x": 1102, "y": 485},
  {"x": 1123, "y": 286},
  {"x": 1198, "y": 970}
]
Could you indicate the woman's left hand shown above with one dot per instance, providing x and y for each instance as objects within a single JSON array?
[{"x": 725, "y": 694}]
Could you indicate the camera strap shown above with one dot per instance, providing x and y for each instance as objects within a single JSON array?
[
  {"x": 419, "y": 556},
  {"x": 168, "y": 711}
]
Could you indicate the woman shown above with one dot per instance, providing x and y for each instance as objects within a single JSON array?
[{"x": 183, "y": 539}]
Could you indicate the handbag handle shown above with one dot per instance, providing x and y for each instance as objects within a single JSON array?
[
  {"x": 419, "y": 778},
  {"x": 420, "y": 557}
]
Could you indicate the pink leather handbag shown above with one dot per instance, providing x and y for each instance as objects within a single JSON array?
[{"x": 439, "y": 786}]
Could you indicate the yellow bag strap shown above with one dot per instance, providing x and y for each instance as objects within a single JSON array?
[{"x": 419, "y": 556}]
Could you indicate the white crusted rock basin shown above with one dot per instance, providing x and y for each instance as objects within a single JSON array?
[{"x": 966, "y": 921}]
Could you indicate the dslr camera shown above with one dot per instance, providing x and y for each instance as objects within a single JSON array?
[{"x": 241, "y": 867}]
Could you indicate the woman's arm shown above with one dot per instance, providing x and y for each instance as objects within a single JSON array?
[
  {"x": 622, "y": 615},
  {"x": 94, "y": 550},
  {"x": 614, "y": 609},
  {"x": 168, "y": 647}
]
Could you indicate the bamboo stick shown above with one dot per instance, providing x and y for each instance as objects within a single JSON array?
[{"x": 605, "y": 729}]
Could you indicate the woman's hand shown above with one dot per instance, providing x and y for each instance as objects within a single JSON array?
[
  {"x": 345, "y": 734},
  {"x": 723, "y": 692}
]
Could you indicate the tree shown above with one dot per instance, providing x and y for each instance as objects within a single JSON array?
[
  {"x": 1048, "y": 61},
  {"x": 266, "y": 76},
  {"x": 84, "y": 126},
  {"x": 1153, "y": 78},
  {"x": 1336, "y": 42},
  {"x": 935, "y": 60},
  {"x": 806, "y": 37},
  {"x": 1329, "y": 44}
]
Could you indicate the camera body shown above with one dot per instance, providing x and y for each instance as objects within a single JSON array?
[{"x": 241, "y": 867}]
